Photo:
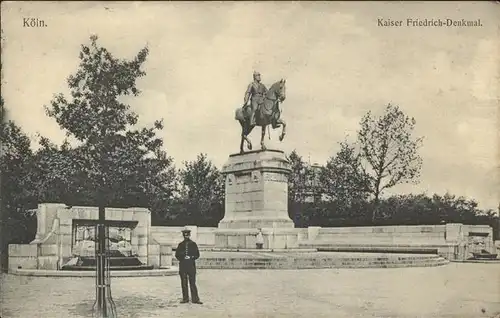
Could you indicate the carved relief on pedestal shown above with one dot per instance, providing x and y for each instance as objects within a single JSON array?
[
  {"x": 276, "y": 177},
  {"x": 242, "y": 177},
  {"x": 255, "y": 176},
  {"x": 230, "y": 179}
]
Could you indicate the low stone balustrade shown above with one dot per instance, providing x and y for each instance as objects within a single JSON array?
[
  {"x": 452, "y": 241},
  {"x": 58, "y": 239}
]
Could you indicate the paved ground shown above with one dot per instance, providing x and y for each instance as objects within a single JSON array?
[{"x": 454, "y": 290}]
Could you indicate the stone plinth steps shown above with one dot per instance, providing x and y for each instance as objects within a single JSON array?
[{"x": 311, "y": 260}]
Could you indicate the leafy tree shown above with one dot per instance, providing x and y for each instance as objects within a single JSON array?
[
  {"x": 409, "y": 209},
  {"x": 16, "y": 161},
  {"x": 202, "y": 190},
  {"x": 54, "y": 173},
  {"x": 435, "y": 209},
  {"x": 297, "y": 181},
  {"x": 18, "y": 224},
  {"x": 388, "y": 151},
  {"x": 343, "y": 178},
  {"x": 298, "y": 190},
  {"x": 451, "y": 208},
  {"x": 125, "y": 163}
]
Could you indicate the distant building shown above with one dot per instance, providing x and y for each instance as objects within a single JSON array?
[{"x": 313, "y": 191}]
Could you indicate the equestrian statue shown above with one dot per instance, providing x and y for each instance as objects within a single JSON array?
[{"x": 263, "y": 110}]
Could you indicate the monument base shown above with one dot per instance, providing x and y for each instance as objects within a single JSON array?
[
  {"x": 256, "y": 223},
  {"x": 274, "y": 238}
]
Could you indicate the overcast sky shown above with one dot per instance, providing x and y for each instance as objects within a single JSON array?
[{"x": 337, "y": 61}]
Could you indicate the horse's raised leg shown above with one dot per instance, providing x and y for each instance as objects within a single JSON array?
[
  {"x": 242, "y": 143},
  {"x": 245, "y": 131},
  {"x": 242, "y": 137},
  {"x": 249, "y": 143},
  {"x": 263, "y": 134},
  {"x": 283, "y": 129}
]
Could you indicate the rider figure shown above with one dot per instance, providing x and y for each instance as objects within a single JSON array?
[{"x": 255, "y": 92}]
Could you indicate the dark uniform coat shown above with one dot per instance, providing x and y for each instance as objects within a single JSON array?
[
  {"x": 190, "y": 248},
  {"x": 187, "y": 268}
]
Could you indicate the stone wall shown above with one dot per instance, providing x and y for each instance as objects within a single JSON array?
[
  {"x": 380, "y": 234},
  {"x": 53, "y": 242},
  {"x": 278, "y": 238},
  {"x": 452, "y": 241},
  {"x": 23, "y": 256},
  {"x": 172, "y": 236},
  {"x": 205, "y": 236}
]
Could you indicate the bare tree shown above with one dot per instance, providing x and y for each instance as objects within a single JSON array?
[{"x": 389, "y": 151}]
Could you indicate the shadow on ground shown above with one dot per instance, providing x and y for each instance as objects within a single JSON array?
[{"x": 133, "y": 307}]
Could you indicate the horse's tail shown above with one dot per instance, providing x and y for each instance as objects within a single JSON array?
[{"x": 238, "y": 114}]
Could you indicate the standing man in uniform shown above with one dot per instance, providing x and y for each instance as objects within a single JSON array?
[
  {"x": 255, "y": 93},
  {"x": 187, "y": 253}
]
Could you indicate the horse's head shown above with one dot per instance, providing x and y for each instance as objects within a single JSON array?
[{"x": 278, "y": 90}]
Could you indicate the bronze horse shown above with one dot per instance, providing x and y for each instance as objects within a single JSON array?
[{"x": 267, "y": 113}]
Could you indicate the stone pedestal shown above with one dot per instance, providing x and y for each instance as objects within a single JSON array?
[{"x": 256, "y": 193}]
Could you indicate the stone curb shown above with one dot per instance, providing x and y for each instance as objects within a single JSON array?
[
  {"x": 315, "y": 261},
  {"x": 55, "y": 273}
]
